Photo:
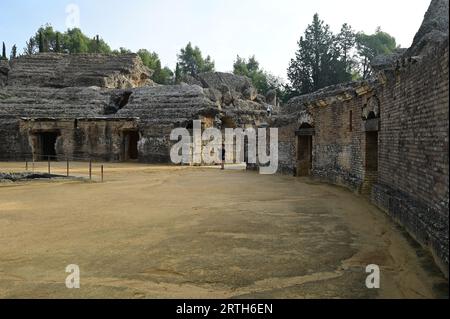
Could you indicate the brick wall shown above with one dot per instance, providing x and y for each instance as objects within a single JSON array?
[
  {"x": 413, "y": 150},
  {"x": 338, "y": 145},
  {"x": 408, "y": 178}
]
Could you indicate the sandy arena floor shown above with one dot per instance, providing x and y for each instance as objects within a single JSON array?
[{"x": 166, "y": 232}]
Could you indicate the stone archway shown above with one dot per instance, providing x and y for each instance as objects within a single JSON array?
[
  {"x": 304, "y": 150},
  {"x": 371, "y": 121}
]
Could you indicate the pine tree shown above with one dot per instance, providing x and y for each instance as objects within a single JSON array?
[
  {"x": 191, "y": 61},
  {"x": 177, "y": 74},
  {"x": 346, "y": 41},
  {"x": 97, "y": 44},
  {"x": 317, "y": 62}
]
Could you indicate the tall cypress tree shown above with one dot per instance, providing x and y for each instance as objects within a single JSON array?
[
  {"x": 14, "y": 52},
  {"x": 4, "y": 51},
  {"x": 58, "y": 43},
  {"x": 41, "y": 42},
  {"x": 97, "y": 44}
]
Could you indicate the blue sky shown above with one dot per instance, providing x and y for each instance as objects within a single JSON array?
[{"x": 221, "y": 28}]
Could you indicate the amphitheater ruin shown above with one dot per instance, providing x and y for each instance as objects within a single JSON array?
[{"x": 386, "y": 138}]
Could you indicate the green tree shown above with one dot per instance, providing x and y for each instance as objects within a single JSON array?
[
  {"x": 13, "y": 52},
  {"x": 76, "y": 42},
  {"x": 58, "y": 42},
  {"x": 191, "y": 61},
  {"x": 370, "y": 46},
  {"x": 47, "y": 39},
  {"x": 345, "y": 42},
  {"x": 261, "y": 80},
  {"x": 122, "y": 50},
  {"x": 41, "y": 42},
  {"x": 4, "y": 51},
  {"x": 152, "y": 61},
  {"x": 177, "y": 74},
  {"x": 317, "y": 62},
  {"x": 166, "y": 77},
  {"x": 240, "y": 66},
  {"x": 30, "y": 47},
  {"x": 98, "y": 45}
]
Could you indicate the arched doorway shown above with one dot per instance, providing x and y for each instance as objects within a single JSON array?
[{"x": 304, "y": 150}]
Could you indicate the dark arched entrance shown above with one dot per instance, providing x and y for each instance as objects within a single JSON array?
[{"x": 304, "y": 149}]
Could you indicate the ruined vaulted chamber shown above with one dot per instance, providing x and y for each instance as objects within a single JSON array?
[{"x": 105, "y": 107}]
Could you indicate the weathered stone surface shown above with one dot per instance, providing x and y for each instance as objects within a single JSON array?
[
  {"x": 81, "y": 70},
  {"x": 168, "y": 104},
  {"x": 329, "y": 95},
  {"x": 271, "y": 97},
  {"x": 382, "y": 62},
  {"x": 16, "y": 102},
  {"x": 4, "y": 70},
  {"x": 434, "y": 29},
  {"x": 215, "y": 80},
  {"x": 14, "y": 177}
]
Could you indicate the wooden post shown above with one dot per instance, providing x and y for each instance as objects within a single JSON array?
[
  {"x": 102, "y": 173},
  {"x": 49, "y": 165},
  {"x": 67, "y": 167},
  {"x": 33, "y": 165},
  {"x": 26, "y": 165},
  {"x": 90, "y": 169}
]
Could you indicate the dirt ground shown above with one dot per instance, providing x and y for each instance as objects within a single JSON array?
[{"x": 173, "y": 232}]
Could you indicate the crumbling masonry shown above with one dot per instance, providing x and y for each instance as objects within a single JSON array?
[{"x": 386, "y": 138}]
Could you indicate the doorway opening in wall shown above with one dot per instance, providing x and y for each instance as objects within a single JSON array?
[
  {"x": 371, "y": 163},
  {"x": 46, "y": 145},
  {"x": 304, "y": 149},
  {"x": 130, "y": 143},
  {"x": 372, "y": 151},
  {"x": 304, "y": 155}
]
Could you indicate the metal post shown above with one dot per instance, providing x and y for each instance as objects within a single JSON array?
[
  {"x": 90, "y": 169},
  {"x": 102, "y": 173},
  {"x": 223, "y": 156},
  {"x": 49, "y": 165},
  {"x": 67, "y": 167},
  {"x": 26, "y": 165},
  {"x": 33, "y": 165}
]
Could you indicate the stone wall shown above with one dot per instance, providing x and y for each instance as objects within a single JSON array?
[
  {"x": 4, "y": 70},
  {"x": 78, "y": 139},
  {"x": 395, "y": 149},
  {"x": 158, "y": 110},
  {"x": 338, "y": 144},
  {"x": 13, "y": 145},
  {"x": 79, "y": 70},
  {"x": 413, "y": 183}
]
